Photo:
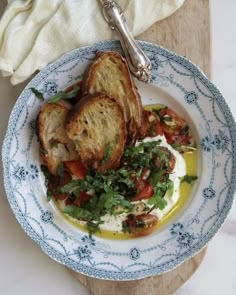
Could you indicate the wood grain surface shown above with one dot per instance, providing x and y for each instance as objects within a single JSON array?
[{"x": 186, "y": 32}]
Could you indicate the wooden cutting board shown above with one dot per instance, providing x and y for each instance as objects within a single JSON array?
[{"x": 186, "y": 32}]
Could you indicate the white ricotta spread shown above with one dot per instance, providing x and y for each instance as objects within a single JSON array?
[{"x": 114, "y": 223}]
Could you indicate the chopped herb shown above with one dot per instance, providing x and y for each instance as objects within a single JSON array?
[
  {"x": 158, "y": 199},
  {"x": 78, "y": 213},
  {"x": 49, "y": 178},
  {"x": 155, "y": 176},
  {"x": 184, "y": 130},
  {"x": 152, "y": 129},
  {"x": 188, "y": 178},
  {"x": 170, "y": 186},
  {"x": 60, "y": 171},
  {"x": 43, "y": 151},
  {"x": 37, "y": 93},
  {"x": 160, "y": 190},
  {"x": 93, "y": 227},
  {"x": 64, "y": 95},
  {"x": 158, "y": 112},
  {"x": 108, "y": 151},
  {"x": 75, "y": 186},
  {"x": 111, "y": 202}
]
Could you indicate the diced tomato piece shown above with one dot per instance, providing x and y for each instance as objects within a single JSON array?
[
  {"x": 180, "y": 122},
  {"x": 141, "y": 225},
  {"x": 177, "y": 123},
  {"x": 82, "y": 200},
  {"x": 66, "y": 179},
  {"x": 179, "y": 139},
  {"x": 68, "y": 202},
  {"x": 158, "y": 128},
  {"x": 77, "y": 168},
  {"x": 150, "y": 125},
  {"x": 144, "y": 190}
]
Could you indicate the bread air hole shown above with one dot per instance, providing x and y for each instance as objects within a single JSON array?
[{"x": 85, "y": 133}]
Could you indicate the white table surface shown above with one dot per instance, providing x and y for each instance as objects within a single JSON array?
[{"x": 25, "y": 269}]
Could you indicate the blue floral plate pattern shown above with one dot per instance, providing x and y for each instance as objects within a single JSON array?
[{"x": 175, "y": 82}]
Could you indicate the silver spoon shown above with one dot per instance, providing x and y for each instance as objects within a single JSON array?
[{"x": 139, "y": 63}]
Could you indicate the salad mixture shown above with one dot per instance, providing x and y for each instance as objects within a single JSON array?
[{"x": 135, "y": 197}]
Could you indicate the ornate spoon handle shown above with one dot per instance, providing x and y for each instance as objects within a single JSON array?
[{"x": 138, "y": 62}]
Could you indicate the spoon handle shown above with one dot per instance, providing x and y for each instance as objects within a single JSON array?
[{"x": 138, "y": 62}]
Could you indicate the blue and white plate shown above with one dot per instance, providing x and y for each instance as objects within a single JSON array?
[{"x": 175, "y": 82}]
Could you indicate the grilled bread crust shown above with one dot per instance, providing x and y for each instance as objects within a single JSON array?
[
  {"x": 109, "y": 74},
  {"x": 97, "y": 127},
  {"x": 55, "y": 145}
]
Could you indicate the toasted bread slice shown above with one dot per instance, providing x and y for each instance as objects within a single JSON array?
[
  {"x": 97, "y": 127},
  {"x": 109, "y": 74},
  {"x": 55, "y": 145}
]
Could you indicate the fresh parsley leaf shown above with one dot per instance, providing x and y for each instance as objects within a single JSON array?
[
  {"x": 43, "y": 151},
  {"x": 108, "y": 151},
  {"x": 184, "y": 130},
  {"x": 158, "y": 200},
  {"x": 37, "y": 93},
  {"x": 48, "y": 179},
  {"x": 60, "y": 170},
  {"x": 93, "y": 227},
  {"x": 170, "y": 186},
  {"x": 55, "y": 98},
  {"x": 76, "y": 185},
  {"x": 155, "y": 176},
  {"x": 72, "y": 93},
  {"x": 188, "y": 178},
  {"x": 78, "y": 212},
  {"x": 112, "y": 202},
  {"x": 64, "y": 95}
]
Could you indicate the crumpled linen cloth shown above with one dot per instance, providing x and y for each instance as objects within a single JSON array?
[{"x": 34, "y": 33}]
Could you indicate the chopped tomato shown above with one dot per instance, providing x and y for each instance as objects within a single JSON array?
[
  {"x": 150, "y": 125},
  {"x": 144, "y": 190},
  {"x": 167, "y": 112},
  {"x": 171, "y": 123},
  {"x": 61, "y": 182},
  {"x": 158, "y": 128},
  {"x": 178, "y": 139},
  {"x": 77, "y": 168},
  {"x": 141, "y": 225},
  {"x": 175, "y": 128},
  {"x": 82, "y": 200}
]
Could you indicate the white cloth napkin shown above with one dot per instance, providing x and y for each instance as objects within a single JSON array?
[{"x": 33, "y": 33}]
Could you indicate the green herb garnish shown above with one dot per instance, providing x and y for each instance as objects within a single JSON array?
[
  {"x": 49, "y": 178},
  {"x": 108, "y": 151},
  {"x": 43, "y": 151},
  {"x": 60, "y": 171},
  {"x": 78, "y": 213},
  {"x": 65, "y": 95},
  {"x": 37, "y": 93},
  {"x": 188, "y": 178}
]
